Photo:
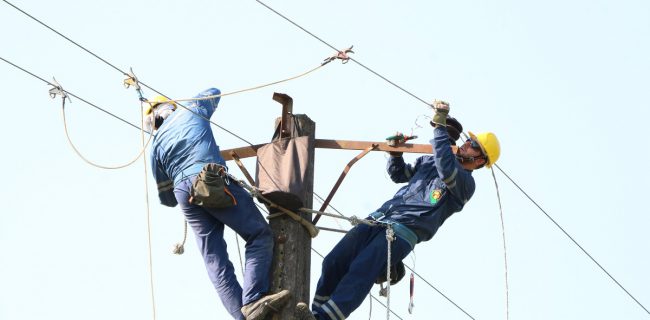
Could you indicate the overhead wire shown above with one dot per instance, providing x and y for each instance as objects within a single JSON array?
[
  {"x": 72, "y": 94},
  {"x": 572, "y": 239},
  {"x": 352, "y": 59}
]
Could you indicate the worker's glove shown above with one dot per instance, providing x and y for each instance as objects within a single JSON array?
[{"x": 441, "y": 111}]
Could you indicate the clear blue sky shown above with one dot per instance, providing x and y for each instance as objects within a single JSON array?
[{"x": 564, "y": 84}]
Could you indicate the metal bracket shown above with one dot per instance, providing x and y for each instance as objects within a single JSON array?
[
  {"x": 132, "y": 80},
  {"x": 287, "y": 109},
  {"x": 340, "y": 180}
]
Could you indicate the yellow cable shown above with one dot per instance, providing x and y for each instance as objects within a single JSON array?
[
  {"x": 146, "y": 193},
  {"x": 248, "y": 89},
  {"x": 67, "y": 135}
]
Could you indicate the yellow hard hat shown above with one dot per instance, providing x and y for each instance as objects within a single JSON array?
[
  {"x": 151, "y": 104},
  {"x": 489, "y": 145}
]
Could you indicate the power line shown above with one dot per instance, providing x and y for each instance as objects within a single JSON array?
[
  {"x": 60, "y": 34},
  {"x": 355, "y": 61},
  {"x": 116, "y": 68},
  {"x": 72, "y": 94},
  {"x": 572, "y": 239}
]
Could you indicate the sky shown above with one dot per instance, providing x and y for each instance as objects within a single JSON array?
[{"x": 563, "y": 84}]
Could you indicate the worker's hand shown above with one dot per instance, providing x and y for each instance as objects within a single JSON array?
[
  {"x": 395, "y": 140},
  {"x": 440, "y": 115}
]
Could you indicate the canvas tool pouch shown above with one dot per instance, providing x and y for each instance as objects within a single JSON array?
[{"x": 209, "y": 188}]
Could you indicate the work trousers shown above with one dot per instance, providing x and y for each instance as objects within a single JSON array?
[
  {"x": 247, "y": 221},
  {"x": 349, "y": 271}
]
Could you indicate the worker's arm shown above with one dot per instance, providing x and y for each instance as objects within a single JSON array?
[
  {"x": 458, "y": 180},
  {"x": 206, "y": 107},
  {"x": 400, "y": 171},
  {"x": 164, "y": 183}
]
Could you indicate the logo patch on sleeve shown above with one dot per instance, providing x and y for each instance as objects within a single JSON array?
[{"x": 435, "y": 196}]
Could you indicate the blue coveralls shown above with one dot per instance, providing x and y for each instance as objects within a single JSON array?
[
  {"x": 182, "y": 146},
  {"x": 438, "y": 186}
]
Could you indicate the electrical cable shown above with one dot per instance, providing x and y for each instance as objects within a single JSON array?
[
  {"x": 572, "y": 239},
  {"x": 334, "y": 48},
  {"x": 72, "y": 94}
]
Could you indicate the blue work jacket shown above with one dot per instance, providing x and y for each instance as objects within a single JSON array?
[
  {"x": 183, "y": 145},
  {"x": 438, "y": 186}
]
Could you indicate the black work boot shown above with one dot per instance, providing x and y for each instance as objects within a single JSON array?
[
  {"x": 257, "y": 310},
  {"x": 302, "y": 312}
]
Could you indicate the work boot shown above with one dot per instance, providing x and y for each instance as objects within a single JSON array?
[
  {"x": 257, "y": 310},
  {"x": 302, "y": 312}
]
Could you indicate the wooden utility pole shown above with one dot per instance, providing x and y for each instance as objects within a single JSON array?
[{"x": 292, "y": 250}]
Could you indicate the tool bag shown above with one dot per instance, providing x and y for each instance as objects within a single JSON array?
[{"x": 209, "y": 188}]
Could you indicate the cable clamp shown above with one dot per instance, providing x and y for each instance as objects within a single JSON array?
[
  {"x": 58, "y": 90},
  {"x": 343, "y": 55},
  {"x": 132, "y": 80}
]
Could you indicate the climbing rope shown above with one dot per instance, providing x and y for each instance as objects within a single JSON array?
[
  {"x": 67, "y": 135},
  {"x": 248, "y": 89},
  {"x": 179, "y": 248},
  {"x": 146, "y": 196}
]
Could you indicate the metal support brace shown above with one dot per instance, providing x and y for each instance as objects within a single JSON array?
[
  {"x": 340, "y": 180},
  {"x": 248, "y": 176}
]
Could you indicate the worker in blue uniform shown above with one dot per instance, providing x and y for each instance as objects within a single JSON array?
[
  {"x": 438, "y": 186},
  {"x": 183, "y": 144}
]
